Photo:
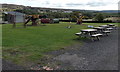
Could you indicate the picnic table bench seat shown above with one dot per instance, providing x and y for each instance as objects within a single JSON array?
[
  {"x": 99, "y": 34},
  {"x": 109, "y": 29},
  {"x": 93, "y": 36},
  {"x": 96, "y": 36},
  {"x": 106, "y": 32},
  {"x": 78, "y": 34},
  {"x": 114, "y": 27}
]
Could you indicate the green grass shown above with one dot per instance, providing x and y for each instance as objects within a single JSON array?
[
  {"x": 22, "y": 45},
  {"x": 0, "y": 41}
]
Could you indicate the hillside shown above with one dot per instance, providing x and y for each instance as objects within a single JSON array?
[
  {"x": 109, "y": 11},
  {"x": 11, "y": 7}
]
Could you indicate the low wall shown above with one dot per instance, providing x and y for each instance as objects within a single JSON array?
[{"x": 89, "y": 21}]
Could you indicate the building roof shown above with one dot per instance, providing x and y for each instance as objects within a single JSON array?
[{"x": 14, "y": 13}]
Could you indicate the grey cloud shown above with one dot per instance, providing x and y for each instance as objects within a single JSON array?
[
  {"x": 52, "y": 4},
  {"x": 46, "y": 3},
  {"x": 59, "y": 6},
  {"x": 56, "y": 5},
  {"x": 74, "y": 4},
  {"x": 92, "y": 4}
]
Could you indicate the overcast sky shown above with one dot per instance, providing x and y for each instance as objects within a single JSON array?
[{"x": 68, "y": 4}]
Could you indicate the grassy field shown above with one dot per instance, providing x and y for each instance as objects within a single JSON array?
[
  {"x": 0, "y": 41},
  {"x": 22, "y": 45}
]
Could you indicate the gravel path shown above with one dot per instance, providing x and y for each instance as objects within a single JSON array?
[
  {"x": 8, "y": 65},
  {"x": 98, "y": 55}
]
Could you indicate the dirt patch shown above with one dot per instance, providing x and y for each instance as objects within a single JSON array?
[
  {"x": 50, "y": 58},
  {"x": 13, "y": 52}
]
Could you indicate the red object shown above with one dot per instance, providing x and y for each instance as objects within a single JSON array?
[{"x": 45, "y": 20}]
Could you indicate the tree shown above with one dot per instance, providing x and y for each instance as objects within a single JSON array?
[
  {"x": 88, "y": 14},
  {"x": 99, "y": 17},
  {"x": 27, "y": 11},
  {"x": 74, "y": 14}
]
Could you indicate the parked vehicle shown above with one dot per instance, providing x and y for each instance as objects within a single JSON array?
[
  {"x": 45, "y": 20},
  {"x": 48, "y": 20}
]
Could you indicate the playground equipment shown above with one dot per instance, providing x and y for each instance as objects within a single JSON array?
[
  {"x": 34, "y": 19},
  {"x": 79, "y": 18},
  {"x": 17, "y": 17}
]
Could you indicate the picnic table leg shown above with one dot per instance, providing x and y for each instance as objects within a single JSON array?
[
  {"x": 106, "y": 34},
  {"x": 98, "y": 38},
  {"x": 92, "y": 39}
]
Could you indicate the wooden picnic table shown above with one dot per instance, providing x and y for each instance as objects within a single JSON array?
[
  {"x": 103, "y": 30},
  {"x": 99, "y": 28},
  {"x": 89, "y": 31},
  {"x": 92, "y": 33},
  {"x": 111, "y": 25},
  {"x": 105, "y": 26}
]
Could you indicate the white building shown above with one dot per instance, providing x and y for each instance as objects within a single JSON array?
[
  {"x": 68, "y": 11},
  {"x": 15, "y": 17}
]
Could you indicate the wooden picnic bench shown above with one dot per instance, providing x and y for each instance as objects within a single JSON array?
[
  {"x": 92, "y": 33},
  {"x": 96, "y": 32}
]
